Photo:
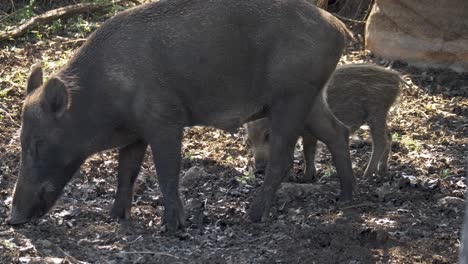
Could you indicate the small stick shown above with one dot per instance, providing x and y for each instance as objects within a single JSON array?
[
  {"x": 349, "y": 19},
  {"x": 357, "y": 205},
  {"x": 70, "y": 257},
  {"x": 4, "y": 110},
  {"x": 150, "y": 252},
  {"x": 136, "y": 239}
]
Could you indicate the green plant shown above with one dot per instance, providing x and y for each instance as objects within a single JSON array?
[
  {"x": 245, "y": 178},
  {"x": 19, "y": 16},
  {"x": 329, "y": 171},
  {"x": 188, "y": 155},
  {"x": 55, "y": 26},
  {"x": 445, "y": 173},
  {"x": 410, "y": 143},
  {"x": 4, "y": 92}
]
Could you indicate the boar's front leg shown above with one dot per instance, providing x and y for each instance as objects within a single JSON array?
[
  {"x": 166, "y": 147},
  {"x": 130, "y": 159},
  {"x": 282, "y": 141}
]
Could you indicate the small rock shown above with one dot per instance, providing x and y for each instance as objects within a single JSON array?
[
  {"x": 432, "y": 184},
  {"x": 452, "y": 202},
  {"x": 461, "y": 184},
  {"x": 68, "y": 214},
  {"x": 412, "y": 179},
  {"x": 384, "y": 190},
  {"x": 25, "y": 259},
  {"x": 53, "y": 260},
  {"x": 44, "y": 243}
]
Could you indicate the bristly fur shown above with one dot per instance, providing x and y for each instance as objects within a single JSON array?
[{"x": 70, "y": 80}]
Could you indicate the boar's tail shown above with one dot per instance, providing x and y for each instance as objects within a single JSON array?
[
  {"x": 403, "y": 86},
  {"x": 340, "y": 26},
  {"x": 349, "y": 35},
  {"x": 337, "y": 24},
  {"x": 346, "y": 32}
]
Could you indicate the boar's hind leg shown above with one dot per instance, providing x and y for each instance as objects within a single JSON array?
[
  {"x": 310, "y": 147},
  {"x": 383, "y": 163},
  {"x": 322, "y": 124},
  {"x": 287, "y": 119},
  {"x": 130, "y": 159},
  {"x": 166, "y": 146},
  {"x": 380, "y": 146}
]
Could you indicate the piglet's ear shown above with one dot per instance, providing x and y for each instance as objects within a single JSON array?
[
  {"x": 35, "y": 78},
  {"x": 56, "y": 97}
]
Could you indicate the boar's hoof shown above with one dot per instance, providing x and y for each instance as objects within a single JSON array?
[
  {"x": 174, "y": 220},
  {"x": 346, "y": 196},
  {"x": 306, "y": 178},
  {"x": 17, "y": 218},
  {"x": 256, "y": 216},
  {"x": 172, "y": 228},
  {"x": 16, "y": 221},
  {"x": 259, "y": 210},
  {"x": 119, "y": 211}
]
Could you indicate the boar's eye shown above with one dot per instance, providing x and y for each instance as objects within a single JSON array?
[{"x": 267, "y": 137}]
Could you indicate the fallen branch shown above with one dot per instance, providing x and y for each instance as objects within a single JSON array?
[{"x": 54, "y": 14}]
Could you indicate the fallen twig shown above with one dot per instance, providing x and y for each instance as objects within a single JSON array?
[
  {"x": 70, "y": 258},
  {"x": 136, "y": 2},
  {"x": 357, "y": 205},
  {"x": 150, "y": 252},
  {"x": 349, "y": 19},
  {"x": 136, "y": 239},
  {"x": 5, "y": 111},
  {"x": 54, "y": 14}
]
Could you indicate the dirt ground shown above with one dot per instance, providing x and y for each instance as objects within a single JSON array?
[{"x": 413, "y": 214}]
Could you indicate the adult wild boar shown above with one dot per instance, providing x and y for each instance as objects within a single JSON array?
[{"x": 151, "y": 71}]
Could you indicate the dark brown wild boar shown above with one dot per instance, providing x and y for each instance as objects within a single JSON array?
[
  {"x": 356, "y": 94},
  {"x": 151, "y": 71}
]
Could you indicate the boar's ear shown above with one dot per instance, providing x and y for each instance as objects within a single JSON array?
[
  {"x": 35, "y": 78},
  {"x": 56, "y": 96}
]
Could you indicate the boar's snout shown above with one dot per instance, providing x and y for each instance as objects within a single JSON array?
[{"x": 30, "y": 202}]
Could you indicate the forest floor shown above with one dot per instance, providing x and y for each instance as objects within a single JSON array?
[{"x": 413, "y": 214}]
